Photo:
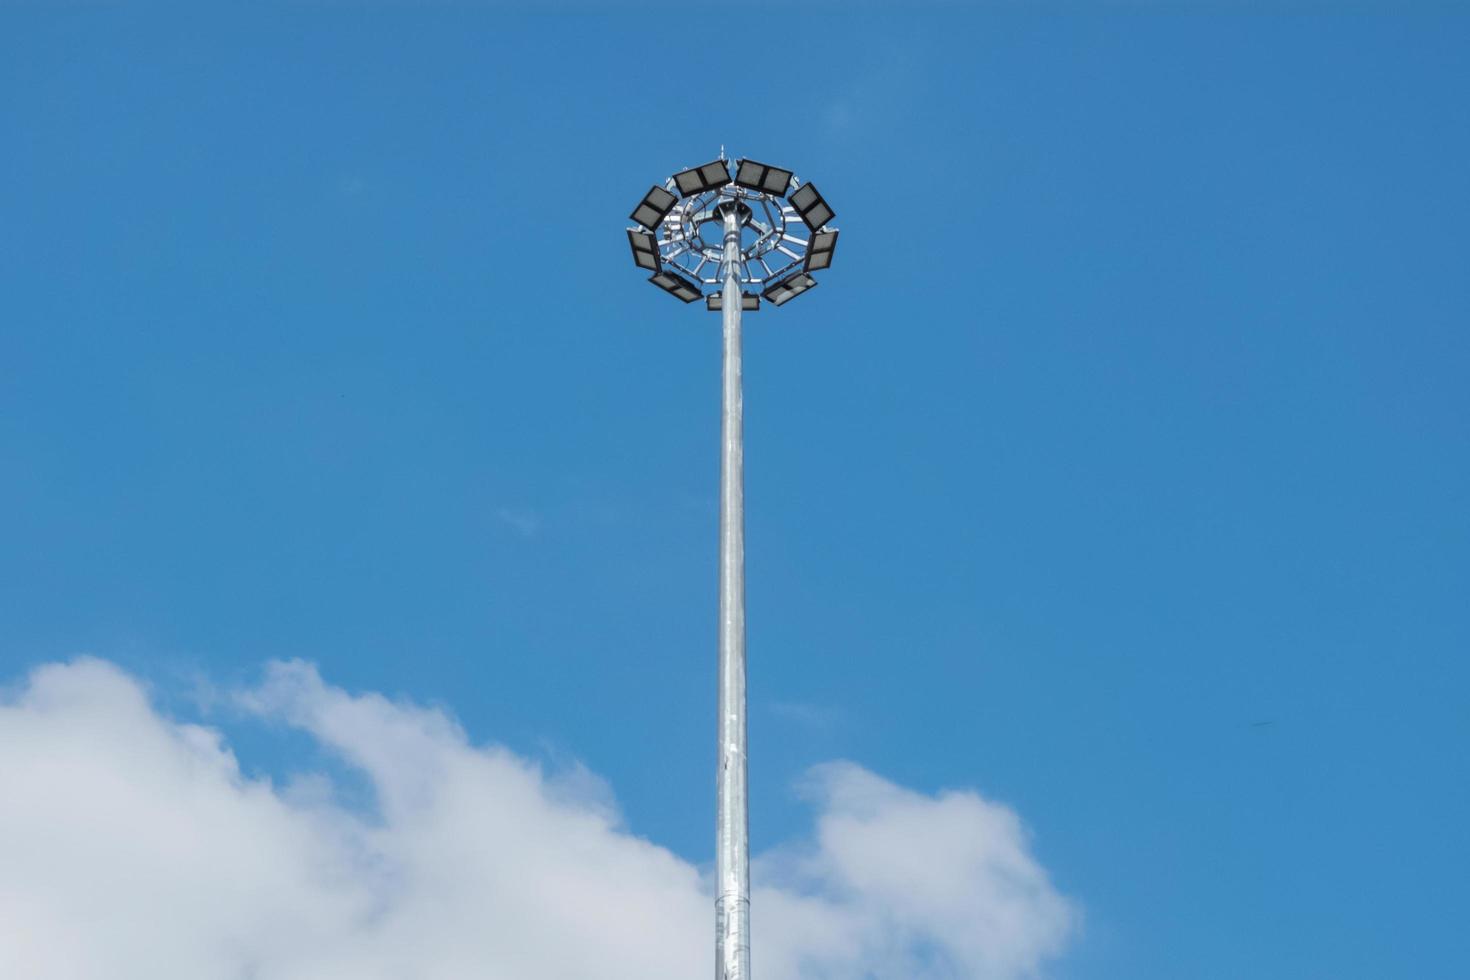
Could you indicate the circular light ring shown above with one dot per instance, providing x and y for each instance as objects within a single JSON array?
[{"x": 775, "y": 242}]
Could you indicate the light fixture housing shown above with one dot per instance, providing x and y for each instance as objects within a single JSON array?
[
  {"x": 812, "y": 207},
  {"x": 655, "y": 204},
  {"x": 789, "y": 288},
  {"x": 819, "y": 250},
  {"x": 762, "y": 177},
  {"x": 715, "y": 302},
  {"x": 706, "y": 177},
  {"x": 675, "y": 285},
  {"x": 645, "y": 250}
]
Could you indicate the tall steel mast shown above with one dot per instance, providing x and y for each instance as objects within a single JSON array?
[
  {"x": 704, "y": 236},
  {"x": 732, "y": 838}
]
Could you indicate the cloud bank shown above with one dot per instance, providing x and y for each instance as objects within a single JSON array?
[{"x": 133, "y": 847}]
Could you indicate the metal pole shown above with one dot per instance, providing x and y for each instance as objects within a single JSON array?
[{"x": 732, "y": 842}]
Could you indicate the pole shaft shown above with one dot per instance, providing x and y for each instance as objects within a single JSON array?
[{"x": 732, "y": 842}]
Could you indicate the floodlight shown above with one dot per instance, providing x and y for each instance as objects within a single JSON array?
[
  {"x": 789, "y": 288},
  {"x": 715, "y": 302},
  {"x": 812, "y": 207},
  {"x": 819, "y": 249},
  {"x": 645, "y": 250},
  {"x": 710, "y": 176},
  {"x": 762, "y": 177},
  {"x": 655, "y": 204},
  {"x": 676, "y": 286}
]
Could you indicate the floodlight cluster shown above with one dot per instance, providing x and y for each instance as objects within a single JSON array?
[{"x": 786, "y": 235}]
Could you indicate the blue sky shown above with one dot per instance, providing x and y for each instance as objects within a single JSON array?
[{"x": 1118, "y": 470}]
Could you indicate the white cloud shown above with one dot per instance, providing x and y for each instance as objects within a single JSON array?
[{"x": 131, "y": 846}]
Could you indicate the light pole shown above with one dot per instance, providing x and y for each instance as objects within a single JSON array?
[{"x": 702, "y": 235}]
